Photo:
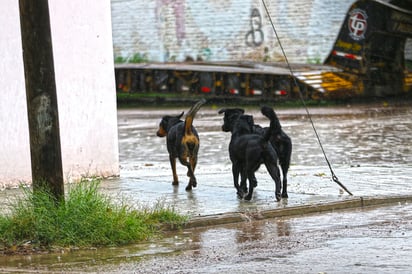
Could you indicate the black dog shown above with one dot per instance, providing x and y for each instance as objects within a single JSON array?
[
  {"x": 280, "y": 141},
  {"x": 248, "y": 151},
  {"x": 182, "y": 142}
]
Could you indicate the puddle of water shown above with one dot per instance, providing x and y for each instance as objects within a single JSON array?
[{"x": 368, "y": 147}]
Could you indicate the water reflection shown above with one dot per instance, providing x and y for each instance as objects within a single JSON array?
[
  {"x": 350, "y": 135},
  {"x": 258, "y": 230},
  {"x": 353, "y": 137},
  {"x": 382, "y": 138}
]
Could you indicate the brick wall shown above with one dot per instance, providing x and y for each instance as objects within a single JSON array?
[{"x": 167, "y": 30}]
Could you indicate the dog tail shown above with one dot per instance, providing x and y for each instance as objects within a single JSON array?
[
  {"x": 275, "y": 127},
  {"x": 191, "y": 115}
]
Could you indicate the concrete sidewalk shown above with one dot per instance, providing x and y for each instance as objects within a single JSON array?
[{"x": 214, "y": 201}]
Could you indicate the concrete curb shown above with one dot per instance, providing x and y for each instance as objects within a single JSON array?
[{"x": 235, "y": 217}]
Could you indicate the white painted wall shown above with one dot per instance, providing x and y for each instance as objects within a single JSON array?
[
  {"x": 83, "y": 60},
  {"x": 14, "y": 140}
]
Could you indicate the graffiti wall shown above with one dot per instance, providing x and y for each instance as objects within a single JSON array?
[{"x": 212, "y": 30}]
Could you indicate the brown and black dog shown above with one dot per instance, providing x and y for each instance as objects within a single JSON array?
[
  {"x": 280, "y": 141},
  {"x": 248, "y": 150},
  {"x": 182, "y": 142}
]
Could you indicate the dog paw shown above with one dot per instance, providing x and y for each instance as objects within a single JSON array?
[
  {"x": 189, "y": 188},
  {"x": 278, "y": 197},
  {"x": 175, "y": 183},
  {"x": 285, "y": 195},
  {"x": 248, "y": 197}
]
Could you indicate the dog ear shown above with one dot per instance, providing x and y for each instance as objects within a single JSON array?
[
  {"x": 181, "y": 114},
  {"x": 240, "y": 110},
  {"x": 237, "y": 111}
]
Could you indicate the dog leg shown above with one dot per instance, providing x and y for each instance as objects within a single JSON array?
[
  {"x": 193, "y": 162},
  {"x": 275, "y": 174},
  {"x": 173, "y": 164},
  {"x": 192, "y": 180},
  {"x": 252, "y": 183},
  {"x": 190, "y": 173},
  {"x": 285, "y": 153},
  {"x": 192, "y": 183},
  {"x": 243, "y": 178},
  {"x": 285, "y": 182},
  {"x": 235, "y": 172},
  {"x": 284, "y": 161}
]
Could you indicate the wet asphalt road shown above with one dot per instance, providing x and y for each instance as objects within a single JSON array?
[
  {"x": 369, "y": 148},
  {"x": 361, "y": 241},
  {"x": 364, "y": 241}
]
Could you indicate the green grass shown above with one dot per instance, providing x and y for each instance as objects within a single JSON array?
[
  {"x": 87, "y": 218},
  {"x": 137, "y": 99}
]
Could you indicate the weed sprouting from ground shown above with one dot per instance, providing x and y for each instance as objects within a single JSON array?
[{"x": 87, "y": 218}]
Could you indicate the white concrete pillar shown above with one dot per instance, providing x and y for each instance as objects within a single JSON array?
[{"x": 83, "y": 61}]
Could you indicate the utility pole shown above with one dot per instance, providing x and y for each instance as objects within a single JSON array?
[{"x": 45, "y": 150}]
